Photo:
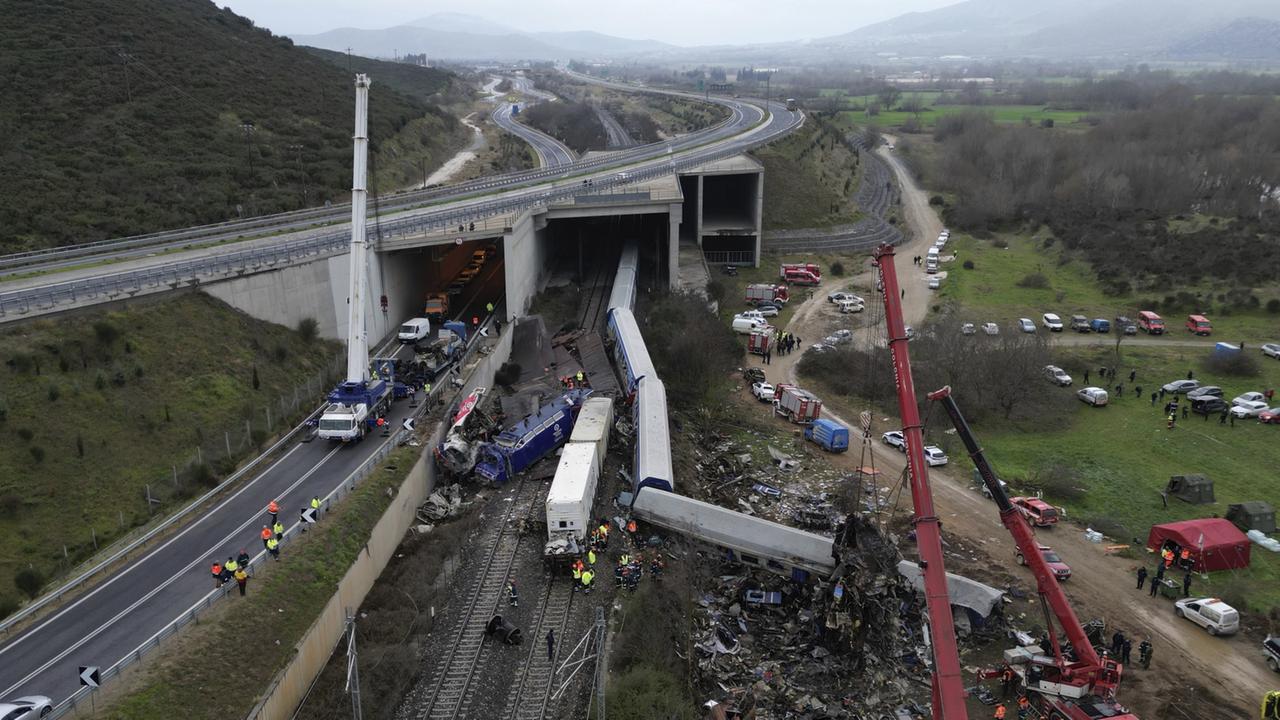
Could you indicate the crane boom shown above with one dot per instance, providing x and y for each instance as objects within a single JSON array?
[
  {"x": 1079, "y": 688},
  {"x": 947, "y": 683},
  {"x": 357, "y": 337}
]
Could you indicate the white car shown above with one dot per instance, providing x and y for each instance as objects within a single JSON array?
[
  {"x": 26, "y": 708},
  {"x": 1026, "y": 326},
  {"x": 1094, "y": 396},
  {"x": 894, "y": 438},
  {"x": 1248, "y": 398},
  {"x": 935, "y": 282},
  {"x": 911, "y": 332},
  {"x": 1057, "y": 375},
  {"x": 968, "y": 329},
  {"x": 1051, "y": 322},
  {"x": 849, "y": 306},
  {"x": 1248, "y": 409},
  {"x": 1181, "y": 386},
  {"x": 763, "y": 391},
  {"x": 768, "y": 310},
  {"x": 934, "y": 456},
  {"x": 750, "y": 315},
  {"x": 991, "y": 328},
  {"x": 836, "y": 297},
  {"x": 1271, "y": 350},
  {"x": 1211, "y": 614}
]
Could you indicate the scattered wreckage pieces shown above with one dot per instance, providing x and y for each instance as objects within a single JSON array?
[{"x": 442, "y": 504}]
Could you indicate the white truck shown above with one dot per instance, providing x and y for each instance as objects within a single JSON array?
[
  {"x": 572, "y": 493},
  {"x": 595, "y": 419}
]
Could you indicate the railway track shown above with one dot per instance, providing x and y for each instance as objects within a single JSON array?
[
  {"x": 529, "y": 698},
  {"x": 594, "y": 307},
  {"x": 456, "y": 669}
]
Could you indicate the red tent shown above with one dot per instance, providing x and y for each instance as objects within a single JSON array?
[{"x": 1215, "y": 543}]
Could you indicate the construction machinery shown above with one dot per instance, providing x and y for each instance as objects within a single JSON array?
[
  {"x": 1074, "y": 682},
  {"x": 947, "y": 683},
  {"x": 357, "y": 403}
]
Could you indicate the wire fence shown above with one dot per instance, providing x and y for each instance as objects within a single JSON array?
[{"x": 216, "y": 456}]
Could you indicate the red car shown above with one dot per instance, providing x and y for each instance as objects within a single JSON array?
[
  {"x": 1270, "y": 416},
  {"x": 1039, "y": 512},
  {"x": 1060, "y": 569}
]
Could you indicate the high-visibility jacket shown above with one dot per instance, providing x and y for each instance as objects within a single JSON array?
[
  {"x": 266, "y": 533},
  {"x": 604, "y": 530},
  {"x": 580, "y": 376},
  {"x": 488, "y": 308},
  {"x": 272, "y": 544},
  {"x": 216, "y": 569},
  {"x": 278, "y": 529},
  {"x": 1023, "y": 703},
  {"x": 999, "y": 712},
  {"x": 631, "y": 526},
  {"x": 1186, "y": 554},
  {"x": 587, "y": 577},
  {"x": 591, "y": 557},
  {"x": 577, "y": 573},
  {"x": 315, "y": 503},
  {"x": 272, "y": 507},
  {"x": 232, "y": 565},
  {"x": 241, "y": 576}
]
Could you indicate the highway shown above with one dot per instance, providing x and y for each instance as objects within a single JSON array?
[
  {"x": 125, "y": 610},
  {"x": 551, "y": 152}
]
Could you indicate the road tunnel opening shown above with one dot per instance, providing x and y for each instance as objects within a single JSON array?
[{"x": 454, "y": 281}]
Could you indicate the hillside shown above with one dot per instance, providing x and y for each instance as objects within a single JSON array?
[
  {"x": 1244, "y": 39},
  {"x": 98, "y": 407},
  {"x": 110, "y": 131}
]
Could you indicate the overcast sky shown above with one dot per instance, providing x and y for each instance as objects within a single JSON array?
[{"x": 683, "y": 22}]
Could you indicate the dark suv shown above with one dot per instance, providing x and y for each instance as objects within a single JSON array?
[{"x": 1208, "y": 405}]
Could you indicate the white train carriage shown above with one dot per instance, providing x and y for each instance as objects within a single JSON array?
[
  {"x": 753, "y": 541},
  {"x": 624, "y": 281},
  {"x": 652, "y": 463},
  {"x": 629, "y": 351}
]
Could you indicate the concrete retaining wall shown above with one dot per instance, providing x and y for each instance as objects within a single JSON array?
[{"x": 314, "y": 649}]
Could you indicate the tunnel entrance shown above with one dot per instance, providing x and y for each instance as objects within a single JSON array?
[
  {"x": 456, "y": 281},
  {"x": 724, "y": 199}
]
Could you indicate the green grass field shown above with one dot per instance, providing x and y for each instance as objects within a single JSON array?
[
  {"x": 1008, "y": 114},
  {"x": 1124, "y": 455},
  {"x": 768, "y": 273},
  {"x": 991, "y": 292},
  {"x": 99, "y": 406}
]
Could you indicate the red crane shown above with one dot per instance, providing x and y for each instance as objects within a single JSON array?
[
  {"x": 948, "y": 685},
  {"x": 1072, "y": 685}
]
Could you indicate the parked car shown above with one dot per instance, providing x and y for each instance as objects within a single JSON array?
[
  {"x": 1248, "y": 397},
  {"x": 1199, "y": 325},
  {"x": 1100, "y": 325},
  {"x": 1211, "y": 614},
  {"x": 1094, "y": 396},
  {"x": 968, "y": 329},
  {"x": 1129, "y": 329},
  {"x": 839, "y": 295},
  {"x": 1271, "y": 350},
  {"x": 767, "y": 310},
  {"x": 935, "y": 282},
  {"x": 1208, "y": 405},
  {"x": 1204, "y": 392},
  {"x": 1181, "y": 386},
  {"x": 470, "y": 271},
  {"x": 1037, "y": 511},
  {"x": 894, "y": 438},
  {"x": 911, "y": 332},
  {"x": 763, "y": 391},
  {"x": 1051, "y": 322},
  {"x": 1060, "y": 569},
  {"x": 1080, "y": 323},
  {"x": 26, "y": 708},
  {"x": 934, "y": 456},
  {"x": 1270, "y": 416},
  {"x": 1248, "y": 409},
  {"x": 991, "y": 328},
  {"x": 1057, "y": 375},
  {"x": 1271, "y": 652},
  {"x": 850, "y": 306},
  {"x": 1026, "y": 326}
]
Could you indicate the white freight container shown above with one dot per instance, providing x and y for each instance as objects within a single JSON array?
[
  {"x": 572, "y": 492},
  {"x": 595, "y": 419}
]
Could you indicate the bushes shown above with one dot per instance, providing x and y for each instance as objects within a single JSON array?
[
  {"x": 967, "y": 265},
  {"x": 1060, "y": 482},
  {"x": 29, "y": 581},
  {"x": 1273, "y": 306},
  {"x": 1036, "y": 280},
  {"x": 692, "y": 350},
  {"x": 308, "y": 329},
  {"x": 1237, "y": 364},
  {"x": 837, "y": 268}
]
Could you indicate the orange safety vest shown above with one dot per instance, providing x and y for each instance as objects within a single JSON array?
[
  {"x": 1186, "y": 554},
  {"x": 999, "y": 712},
  {"x": 273, "y": 508},
  {"x": 1024, "y": 703},
  {"x": 217, "y": 569},
  {"x": 266, "y": 533},
  {"x": 631, "y": 526}
]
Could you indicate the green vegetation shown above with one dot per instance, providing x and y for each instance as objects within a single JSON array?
[
  {"x": 96, "y": 407},
  {"x": 199, "y": 119},
  {"x": 1002, "y": 287},
  {"x": 691, "y": 348},
  {"x": 573, "y": 123},
  {"x": 210, "y": 677},
  {"x": 810, "y": 178},
  {"x": 1122, "y": 455},
  {"x": 927, "y": 118},
  {"x": 651, "y": 654}
]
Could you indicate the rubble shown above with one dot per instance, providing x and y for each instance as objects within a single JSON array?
[{"x": 441, "y": 505}]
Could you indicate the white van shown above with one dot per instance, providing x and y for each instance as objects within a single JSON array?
[
  {"x": 414, "y": 330},
  {"x": 850, "y": 306},
  {"x": 931, "y": 263},
  {"x": 745, "y": 325}
]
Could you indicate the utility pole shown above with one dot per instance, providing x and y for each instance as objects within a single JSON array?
[
  {"x": 348, "y": 59},
  {"x": 353, "y": 669},
  {"x": 766, "y": 90}
]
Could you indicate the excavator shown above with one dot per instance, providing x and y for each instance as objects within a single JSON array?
[{"x": 1065, "y": 681}]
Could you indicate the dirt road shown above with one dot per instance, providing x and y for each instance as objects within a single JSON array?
[{"x": 1194, "y": 675}]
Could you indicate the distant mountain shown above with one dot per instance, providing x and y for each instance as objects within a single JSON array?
[
  {"x": 1241, "y": 40},
  {"x": 1082, "y": 28},
  {"x": 133, "y": 117},
  {"x": 456, "y": 36}
]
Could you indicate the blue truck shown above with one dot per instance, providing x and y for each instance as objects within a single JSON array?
[
  {"x": 518, "y": 447},
  {"x": 354, "y": 409},
  {"x": 829, "y": 435}
]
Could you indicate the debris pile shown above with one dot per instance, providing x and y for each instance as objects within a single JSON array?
[
  {"x": 442, "y": 504},
  {"x": 835, "y": 649}
]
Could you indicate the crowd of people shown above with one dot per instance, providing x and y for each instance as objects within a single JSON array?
[{"x": 237, "y": 568}]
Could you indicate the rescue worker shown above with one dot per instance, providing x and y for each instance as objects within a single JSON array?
[
  {"x": 231, "y": 565},
  {"x": 604, "y": 533},
  {"x": 242, "y": 579},
  {"x": 273, "y": 547},
  {"x": 1185, "y": 557},
  {"x": 587, "y": 577},
  {"x": 1142, "y": 576},
  {"x": 265, "y": 535},
  {"x": 488, "y": 308},
  {"x": 577, "y": 578},
  {"x": 243, "y": 560},
  {"x": 618, "y": 575},
  {"x": 591, "y": 557},
  {"x": 1125, "y": 651},
  {"x": 580, "y": 377},
  {"x": 273, "y": 507},
  {"x": 1006, "y": 680},
  {"x": 315, "y": 505},
  {"x": 1024, "y": 707},
  {"x": 1144, "y": 654},
  {"x": 512, "y": 597},
  {"x": 1186, "y": 584},
  {"x": 1000, "y": 711},
  {"x": 631, "y": 528},
  {"x": 278, "y": 529},
  {"x": 216, "y": 571}
]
